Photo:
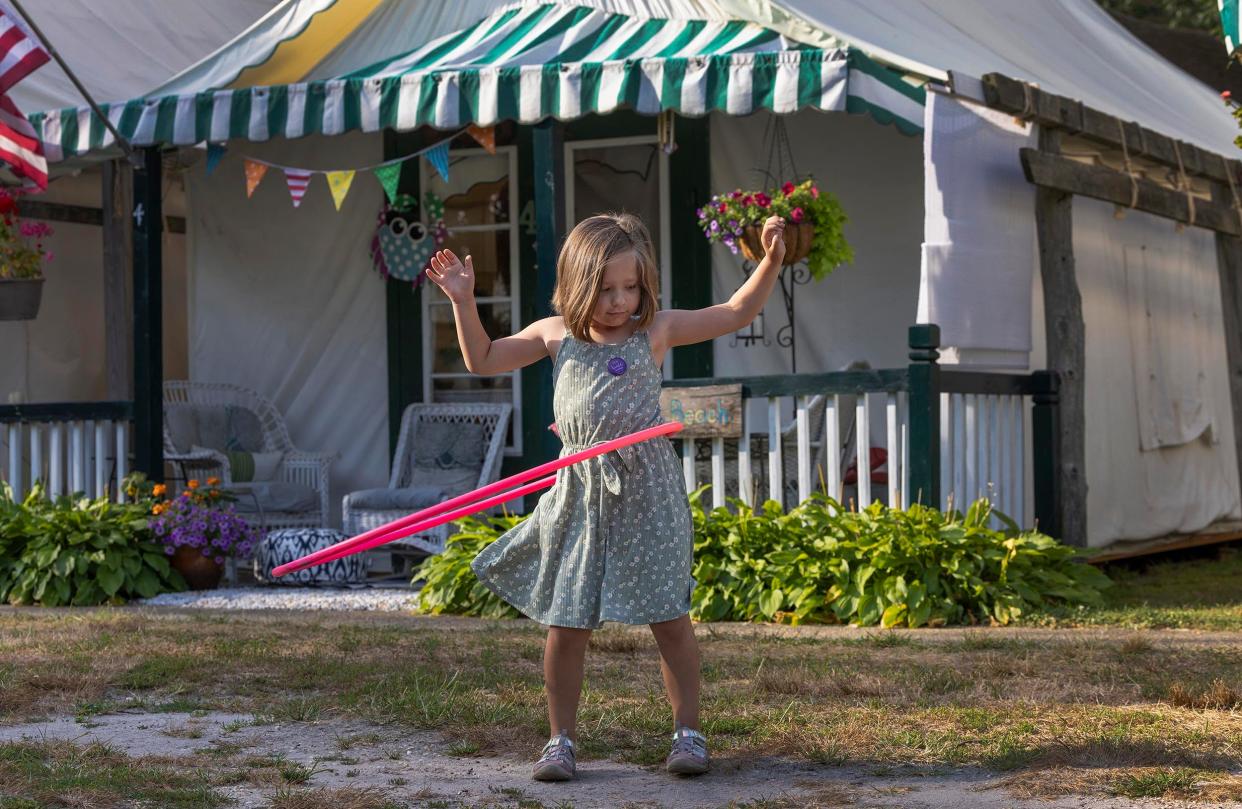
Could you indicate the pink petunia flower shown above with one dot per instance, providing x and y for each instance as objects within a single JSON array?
[
  {"x": 787, "y": 188},
  {"x": 762, "y": 200},
  {"x": 796, "y": 214}
]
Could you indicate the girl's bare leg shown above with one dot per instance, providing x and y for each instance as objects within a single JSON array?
[
  {"x": 563, "y": 657},
  {"x": 679, "y": 663}
]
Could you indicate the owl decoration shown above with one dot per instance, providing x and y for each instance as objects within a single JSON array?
[{"x": 403, "y": 244}]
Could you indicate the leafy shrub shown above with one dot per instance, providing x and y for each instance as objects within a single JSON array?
[
  {"x": 912, "y": 567},
  {"x": 822, "y": 564},
  {"x": 451, "y": 586},
  {"x": 78, "y": 551}
]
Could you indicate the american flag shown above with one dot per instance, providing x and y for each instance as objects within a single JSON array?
[{"x": 20, "y": 146}]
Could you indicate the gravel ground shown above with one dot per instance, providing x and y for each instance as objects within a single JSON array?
[{"x": 384, "y": 599}]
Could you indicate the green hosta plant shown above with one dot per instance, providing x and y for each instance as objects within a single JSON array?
[
  {"x": 891, "y": 567},
  {"x": 822, "y": 564},
  {"x": 450, "y": 585},
  {"x": 78, "y": 551}
]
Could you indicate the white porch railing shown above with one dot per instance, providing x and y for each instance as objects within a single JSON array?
[
  {"x": 71, "y": 447},
  {"x": 821, "y": 432}
]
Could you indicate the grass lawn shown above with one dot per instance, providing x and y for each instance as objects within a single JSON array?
[{"x": 1085, "y": 704}]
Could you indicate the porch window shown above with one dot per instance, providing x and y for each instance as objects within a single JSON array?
[{"x": 480, "y": 198}]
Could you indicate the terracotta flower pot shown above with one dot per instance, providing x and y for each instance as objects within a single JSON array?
[
  {"x": 20, "y": 297},
  {"x": 200, "y": 572},
  {"x": 798, "y": 238}
]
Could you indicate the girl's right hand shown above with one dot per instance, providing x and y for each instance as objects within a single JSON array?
[
  {"x": 455, "y": 278},
  {"x": 773, "y": 238}
]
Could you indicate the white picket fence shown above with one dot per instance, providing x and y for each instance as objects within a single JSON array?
[
  {"x": 69, "y": 455},
  {"x": 984, "y": 450}
]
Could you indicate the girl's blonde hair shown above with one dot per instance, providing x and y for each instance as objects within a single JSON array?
[{"x": 580, "y": 269}]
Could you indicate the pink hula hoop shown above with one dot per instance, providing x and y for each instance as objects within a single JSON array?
[{"x": 469, "y": 503}]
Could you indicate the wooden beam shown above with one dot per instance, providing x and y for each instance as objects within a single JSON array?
[
  {"x": 81, "y": 214},
  {"x": 1229, "y": 269},
  {"x": 1053, "y": 111},
  {"x": 1065, "y": 333},
  {"x": 1120, "y": 550},
  {"x": 1064, "y": 175},
  {"x": 117, "y": 199}
]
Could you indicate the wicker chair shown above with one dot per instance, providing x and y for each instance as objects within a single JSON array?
[
  {"x": 301, "y": 479},
  {"x": 444, "y": 450}
]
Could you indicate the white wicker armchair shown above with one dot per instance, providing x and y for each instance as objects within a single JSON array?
[
  {"x": 444, "y": 450},
  {"x": 304, "y": 474}
]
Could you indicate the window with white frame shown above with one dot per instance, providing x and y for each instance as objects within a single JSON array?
[{"x": 480, "y": 201}]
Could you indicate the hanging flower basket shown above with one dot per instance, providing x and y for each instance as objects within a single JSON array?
[
  {"x": 814, "y": 223},
  {"x": 21, "y": 261},
  {"x": 798, "y": 238},
  {"x": 20, "y": 298}
]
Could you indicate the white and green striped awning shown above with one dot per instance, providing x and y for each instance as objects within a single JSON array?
[
  {"x": 1229, "y": 23},
  {"x": 526, "y": 64}
]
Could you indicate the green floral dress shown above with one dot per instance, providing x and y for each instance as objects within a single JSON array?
[{"x": 612, "y": 540}]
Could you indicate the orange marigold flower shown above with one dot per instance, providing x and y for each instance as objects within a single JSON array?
[
  {"x": 215, "y": 492},
  {"x": 186, "y": 493},
  {"x": 159, "y": 490},
  {"x": 213, "y": 481},
  {"x": 193, "y": 484},
  {"x": 158, "y": 508}
]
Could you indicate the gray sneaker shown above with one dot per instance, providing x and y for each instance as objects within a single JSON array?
[
  {"x": 689, "y": 753},
  {"x": 557, "y": 761}
]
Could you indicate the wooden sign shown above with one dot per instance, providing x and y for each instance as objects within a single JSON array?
[{"x": 710, "y": 411}]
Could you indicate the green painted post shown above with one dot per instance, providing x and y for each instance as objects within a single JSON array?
[
  {"x": 403, "y": 307},
  {"x": 1045, "y": 428},
  {"x": 148, "y": 318},
  {"x": 924, "y": 395},
  {"x": 548, "y": 170}
]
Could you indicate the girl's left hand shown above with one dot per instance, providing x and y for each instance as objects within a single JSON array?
[{"x": 773, "y": 238}]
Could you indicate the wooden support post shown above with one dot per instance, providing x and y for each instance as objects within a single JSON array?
[
  {"x": 1045, "y": 447},
  {"x": 117, "y": 200},
  {"x": 1066, "y": 336},
  {"x": 148, "y": 317},
  {"x": 1229, "y": 267},
  {"x": 924, "y": 394},
  {"x": 548, "y": 148}
]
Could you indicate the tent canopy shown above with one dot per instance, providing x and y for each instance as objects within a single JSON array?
[
  {"x": 121, "y": 49},
  {"x": 524, "y": 62},
  {"x": 330, "y": 65}
]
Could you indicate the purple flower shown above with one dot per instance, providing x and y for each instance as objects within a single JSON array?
[{"x": 715, "y": 226}]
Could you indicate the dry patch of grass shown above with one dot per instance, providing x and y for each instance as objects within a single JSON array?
[
  {"x": 1184, "y": 783},
  {"x": 346, "y": 798},
  {"x": 1217, "y": 696},
  {"x": 1031, "y": 702},
  {"x": 40, "y": 774}
]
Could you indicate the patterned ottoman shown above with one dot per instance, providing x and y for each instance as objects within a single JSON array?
[{"x": 289, "y": 544}]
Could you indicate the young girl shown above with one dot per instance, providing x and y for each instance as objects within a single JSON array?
[{"x": 612, "y": 540}]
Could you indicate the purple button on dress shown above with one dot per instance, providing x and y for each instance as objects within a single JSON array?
[{"x": 616, "y": 366}]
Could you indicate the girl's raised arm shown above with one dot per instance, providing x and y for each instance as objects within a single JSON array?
[
  {"x": 679, "y": 327},
  {"x": 484, "y": 355}
]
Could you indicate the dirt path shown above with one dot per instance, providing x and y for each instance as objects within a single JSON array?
[{"x": 412, "y": 768}]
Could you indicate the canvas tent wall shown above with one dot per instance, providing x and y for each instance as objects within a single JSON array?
[
  {"x": 119, "y": 49},
  {"x": 1065, "y": 45}
]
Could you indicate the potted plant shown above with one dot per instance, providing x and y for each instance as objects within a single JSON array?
[
  {"x": 21, "y": 264},
  {"x": 814, "y": 224},
  {"x": 199, "y": 529}
]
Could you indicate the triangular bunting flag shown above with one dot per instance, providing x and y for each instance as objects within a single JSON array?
[
  {"x": 298, "y": 180},
  {"x": 254, "y": 173},
  {"x": 437, "y": 156},
  {"x": 389, "y": 177},
  {"x": 485, "y": 135},
  {"x": 214, "y": 153},
  {"x": 338, "y": 183}
]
